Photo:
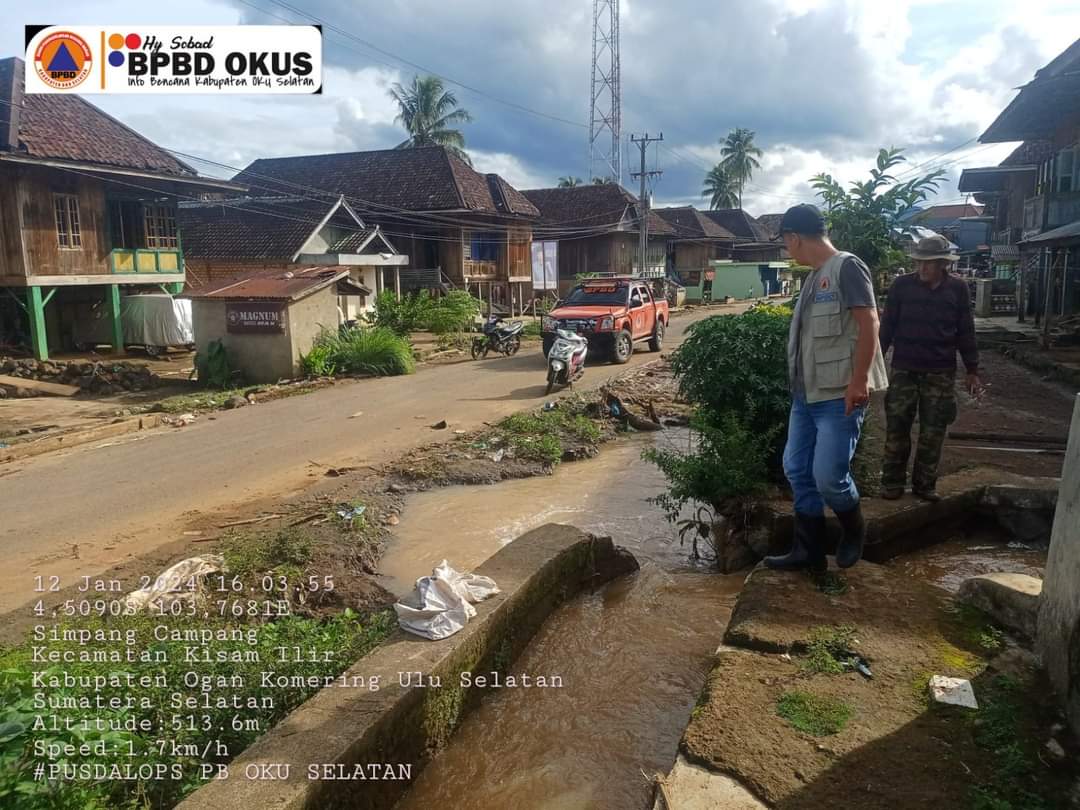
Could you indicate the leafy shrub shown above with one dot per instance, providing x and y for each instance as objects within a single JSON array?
[
  {"x": 409, "y": 313},
  {"x": 452, "y": 313},
  {"x": 420, "y": 312},
  {"x": 377, "y": 350},
  {"x": 531, "y": 329},
  {"x": 738, "y": 363},
  {"x": 725, "y": 469}
]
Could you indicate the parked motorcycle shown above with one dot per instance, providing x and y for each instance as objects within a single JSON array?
[
  {"x": 497, "y": 336},
  {"x": 566, "y": 360}
]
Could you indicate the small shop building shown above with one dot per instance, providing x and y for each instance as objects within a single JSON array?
[
  {"x": 721, "y": 279},
  {"x": 268, "y": 322}
]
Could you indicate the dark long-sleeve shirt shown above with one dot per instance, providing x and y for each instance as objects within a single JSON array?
[{"x": 927, "y": 327}]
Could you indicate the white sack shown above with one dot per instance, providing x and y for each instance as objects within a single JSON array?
[
  {"x": 442, "y": 603},
  {"x": 174, "y": 583}
]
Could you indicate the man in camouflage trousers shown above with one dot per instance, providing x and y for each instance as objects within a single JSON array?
[{"x": 927, "y": 320}]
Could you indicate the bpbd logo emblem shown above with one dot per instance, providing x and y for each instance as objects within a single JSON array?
[
  {"x": 117, "y": 43},
  {"x": 63, "y": 60}
]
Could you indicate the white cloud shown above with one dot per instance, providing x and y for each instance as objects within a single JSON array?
[{"x": 510, "y": 168}]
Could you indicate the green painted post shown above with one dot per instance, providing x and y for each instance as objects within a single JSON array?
[
  {"x": 176, "y": 287},
  {"x": 35, "y": 308},
  {"x": 114, "y": 317}
]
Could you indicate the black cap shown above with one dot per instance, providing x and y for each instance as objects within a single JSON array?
[{"x": 804, "y": 219}]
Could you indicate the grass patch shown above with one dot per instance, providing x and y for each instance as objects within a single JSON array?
[
  {"x": 345, "y": 638},
  {"x": 379, "y": 351},
  {"x": 532, "y": 329},
  {"x": 813, "y": 714},
  {"x": 830, "y": 583},
  {"x": 974, "y": 629},
  {"x": 998, "y": 728},
  {"x": 257, "y": 553},
  {"x": 214, "y": 400},
  {"x": 828, "y": 649},
  {"x": 541, "y": 435}
]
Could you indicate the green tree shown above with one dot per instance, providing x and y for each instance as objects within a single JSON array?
[
  {"x": 720, "y": 188},
  {"x": 740, "y": 157},
  {"x": 569, "y": 181},
  {"x": 428, "y": 112},
  {"x": 861, "y": 218}
]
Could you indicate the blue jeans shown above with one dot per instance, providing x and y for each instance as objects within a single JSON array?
[{"x": 817, "y": 459}]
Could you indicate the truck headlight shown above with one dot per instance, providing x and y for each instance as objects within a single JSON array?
[
  {"x": 607, "y": 324},
  {"x": 548, "y": 324}
]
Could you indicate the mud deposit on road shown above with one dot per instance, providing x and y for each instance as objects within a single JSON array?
[{"x": 632, "y": 655}]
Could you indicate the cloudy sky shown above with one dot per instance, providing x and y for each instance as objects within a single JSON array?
[{"x": 823, "y": 83}]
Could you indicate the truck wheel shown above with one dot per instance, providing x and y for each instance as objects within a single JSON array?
[
  {"x": 624, "y": 347},
  {"x": 657, "y": 341}
]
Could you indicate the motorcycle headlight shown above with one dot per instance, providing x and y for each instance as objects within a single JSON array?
[
  {"x": 607, "y": 324},
  {"x": 548, "y": 324},
  {"x": 557, "y": 365}
]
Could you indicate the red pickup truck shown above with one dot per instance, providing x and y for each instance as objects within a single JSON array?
[{"x": 613, "y": 313}]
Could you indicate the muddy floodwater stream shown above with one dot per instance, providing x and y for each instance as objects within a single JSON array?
[{"x": 632, "y": 655}]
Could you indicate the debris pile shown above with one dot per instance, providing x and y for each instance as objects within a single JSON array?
[{"x": 100, "y": 377}]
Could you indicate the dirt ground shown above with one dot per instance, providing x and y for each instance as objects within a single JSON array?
[
  {"x": 897, "y": 750},
  {"x": 1017, "y": 403}
]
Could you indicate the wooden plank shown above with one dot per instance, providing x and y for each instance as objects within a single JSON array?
[{"x": 38, "y": 387}]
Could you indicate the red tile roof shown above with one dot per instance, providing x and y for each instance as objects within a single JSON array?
[
  {"x": 590, "y": 210},
  {"x": 689, "y": 223},
  {"x": 63, "y": 127},
  {"x": 389, "y": 181}
]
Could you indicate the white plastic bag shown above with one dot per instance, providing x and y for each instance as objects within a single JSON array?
[
  {"x": 442, "y": 603},
  {"x": 174, "y": 584}
]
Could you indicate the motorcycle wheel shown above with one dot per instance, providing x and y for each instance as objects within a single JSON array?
[
  {"x": 552, "y": 374},
  {"x": 478, "y": 349},
  {"x": 513, "y": 345}
]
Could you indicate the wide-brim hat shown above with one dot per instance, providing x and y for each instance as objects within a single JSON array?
[{"x": 930, "y": 248}]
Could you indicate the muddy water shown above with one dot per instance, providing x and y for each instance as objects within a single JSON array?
[
  {"x": 949, "y": 563},
  {"x": 632, "y": 656}
]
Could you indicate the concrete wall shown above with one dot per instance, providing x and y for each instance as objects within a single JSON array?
[
  {"x": 267, "y": 357},
  {"x": 406, "y": 725},
  {"x": 1058, "y": 641}
]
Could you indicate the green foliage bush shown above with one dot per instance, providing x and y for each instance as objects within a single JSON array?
[
  {"x": 738, "y": 363},
  {"x": 377, "y": 350},
  {"x": 418, "y": 311},
  {"x": 813, "y": 714},
  {"x": 725, "y": 468},
  {"x": 733, "y": 369}
]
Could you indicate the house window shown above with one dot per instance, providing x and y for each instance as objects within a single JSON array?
[
  {"x": 482, "y": 246},
  {"x": 1068, "y": 169},
  {"x": 68, "y": 230},
  {"x": 160, "y": 225}
]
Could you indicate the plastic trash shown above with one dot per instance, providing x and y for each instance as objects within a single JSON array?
[
  {"x": 178, "y": 583},
  {"x": 442, "y": 603},
  {"x": 349, "y": 513},
  {"x": 497, "y": 456}
]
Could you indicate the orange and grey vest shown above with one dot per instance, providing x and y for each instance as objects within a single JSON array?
[{"x": 826, "y": 346}]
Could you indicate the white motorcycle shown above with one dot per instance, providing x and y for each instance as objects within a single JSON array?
[{"x": 566, "y": 360}]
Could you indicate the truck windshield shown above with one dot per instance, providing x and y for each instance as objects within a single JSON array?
[{"x": 604, "y": 295}]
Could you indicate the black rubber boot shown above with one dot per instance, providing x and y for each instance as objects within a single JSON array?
[
  {"x": 849, "y": 550},
  {"x": 807, "y": 547}
]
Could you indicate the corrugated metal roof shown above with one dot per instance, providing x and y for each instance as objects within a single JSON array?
[
  {"x": 289, "y": 286},
  {"x": 1065, "y": 232}
]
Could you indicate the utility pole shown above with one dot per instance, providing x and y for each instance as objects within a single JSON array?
[{"x": 643, "y": 226}]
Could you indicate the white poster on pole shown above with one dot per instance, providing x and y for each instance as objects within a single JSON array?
[{"x": 545, "y": 265}]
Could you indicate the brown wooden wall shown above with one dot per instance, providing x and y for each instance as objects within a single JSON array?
[
  {"x": 11, "y": 255},
  {"x": 33, "y": 188}
]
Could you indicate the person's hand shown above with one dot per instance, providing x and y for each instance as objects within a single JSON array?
[
  {"x": 857, "y": 394},
  {"x": 974, "y": 385}
]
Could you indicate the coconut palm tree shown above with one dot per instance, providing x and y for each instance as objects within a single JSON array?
[
  {"x": 720, "y": 188},
  {"x": 740, "y": 157},
  {"x": 569, "y": 181},
  {"x": 428, "y": 111}
]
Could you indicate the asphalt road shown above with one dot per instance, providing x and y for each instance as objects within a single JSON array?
[{"x": 83, "y": 510}]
